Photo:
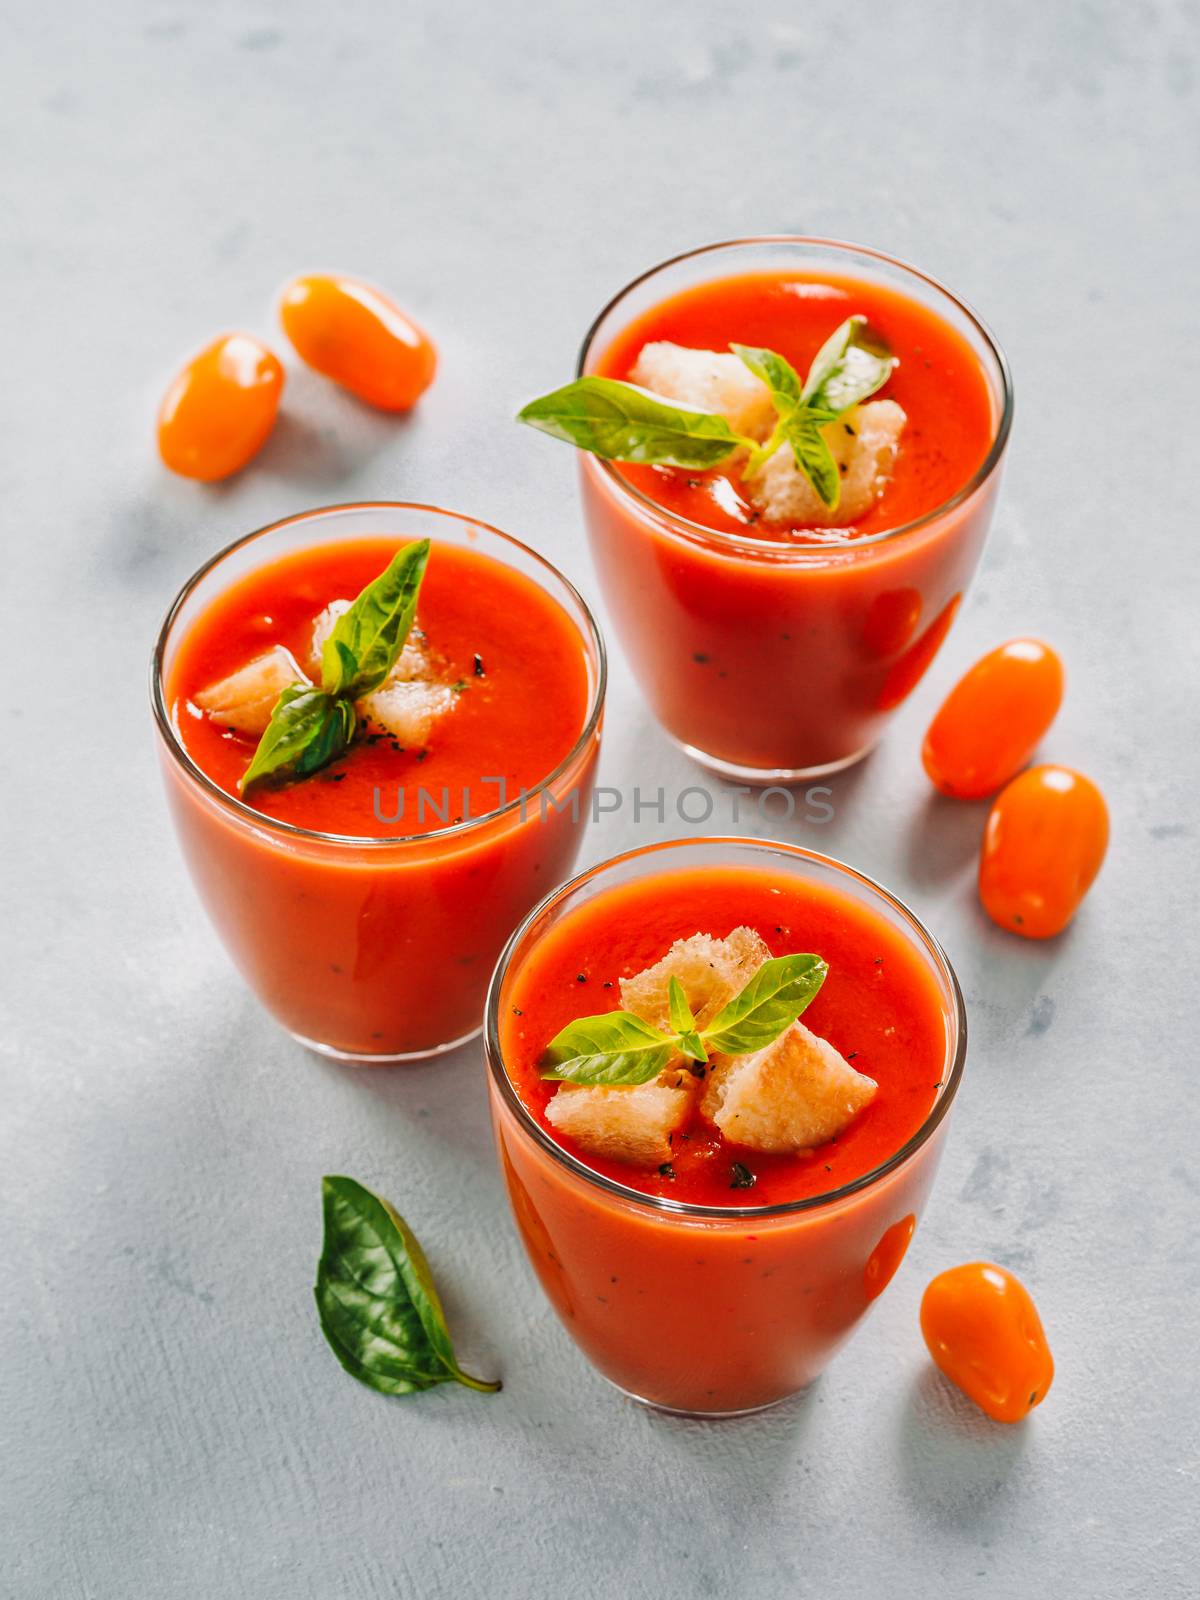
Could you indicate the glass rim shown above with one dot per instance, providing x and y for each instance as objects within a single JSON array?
[
  {"x": 661, "y": 1204},
  {"x": 239, "y": 808},
  {"x": 721, "y": 538}
]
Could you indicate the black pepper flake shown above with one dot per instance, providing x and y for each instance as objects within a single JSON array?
[
  {"x": 878, "y": 961},
  {"x": 517, "y": 1012},
  {"x": 421, "y": 754},
  {"x": 479, "y": 673},
  {"x": 828, "y": 1168},
  {"x": 581, "y": 977},
  {"x": 852, "y": 1055},
  {"x": 700, "y": 658},
  {"x": 607, "y": 983},
  {"x": 743, "y": 1178},
  {"x": 667, "y": 1171},
  {"x": 849, "y": 430}
]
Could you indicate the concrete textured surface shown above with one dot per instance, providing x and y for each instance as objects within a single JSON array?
[{"x": 173, "y": 1425}]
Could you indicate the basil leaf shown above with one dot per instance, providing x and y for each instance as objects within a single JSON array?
[
  {"x": 684, "y": 1022},
  {"x": 378, "y": 1305},
  {"x": 620, "y": 422},
  {"x": 308, "y": 728},
  {"x": 613, "y": 1048},
  {"x": 814, "y": 458},
  {"x": 775, "y": 996},
  {"x": 779, "y": 375},
  {"x": 848, "y": 367},
  {"x": 366, "y": 639}
]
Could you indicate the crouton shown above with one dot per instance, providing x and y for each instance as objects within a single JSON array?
[
  {"x": 623, "y": 1124},
  {"x": 865, "y": 442},
  {"x": 709, "y": 381},
  {"x": 244, "y": 700},
  {"x": 711, "y": 971},
  {"x": 407, "y": 709},
  {"x": 794, "y": 1095}
]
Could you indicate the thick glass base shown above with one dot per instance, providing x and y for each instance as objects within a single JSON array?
[
  {"x": 763, "y": 777},
  {"x": 701, "y": 1416},
  {"x": 384, "y": 1059}
]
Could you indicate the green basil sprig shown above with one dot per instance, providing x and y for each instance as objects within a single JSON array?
[
  {"x": 622, "y": 422},
  {"x": 313, "y": 725},
  {"x": 378, "y": 1305},
  {"x": 618, "y": 1048}
]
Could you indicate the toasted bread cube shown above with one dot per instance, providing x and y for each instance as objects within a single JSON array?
[
  {"x": 245, "y": 700},
  {"x": 864, "y": 442},
  {"x": 709, "y": 381},
  {"x": 711, "y": 971},
  {"x": 322, "y": 628},
  {"x": 795, "y": 1094},
  {"x": 623, "y": 1124},
  {"x": 412, "y": 662},
  {"x": 407, "y": 709}
]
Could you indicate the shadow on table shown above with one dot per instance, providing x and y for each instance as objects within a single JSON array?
[
  {"x": 942, "y": 838},
  {"x": 955, "y": 1464}
]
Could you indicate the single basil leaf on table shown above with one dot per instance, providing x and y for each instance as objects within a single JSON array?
[
  {"x": 848, "y": 367},
  {"x": 369, "y": 636},
  {"x": 606, "y": 1050},
  {"x": 376, "y": 1298},
  {"x": 620, "y": 422},
  {"x": 683, "y": 1021},
  {"x": 775, "y": 996},
  {"x": 308, "y": 728}
]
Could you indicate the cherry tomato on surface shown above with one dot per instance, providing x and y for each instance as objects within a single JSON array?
[
  {"x": 220, "y": 409},
  {"x": 355, "y": 335},
  {"x": 992, "y": 720},
  {"x": 983, "y": 1331},
  {"x": 1043, "y": 845}
]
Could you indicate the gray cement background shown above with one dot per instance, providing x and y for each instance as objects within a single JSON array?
[{"x": 171, "y": 1425}]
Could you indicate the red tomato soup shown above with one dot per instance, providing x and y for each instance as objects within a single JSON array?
[
  {"x": 783, "y": 1269},
  {"x": 379, "y": 942},
  {"x": 770, "y": 649}
]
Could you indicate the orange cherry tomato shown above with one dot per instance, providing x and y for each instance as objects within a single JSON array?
[
  {"x": 359, "y": 338},
  {"x": 983, "y": 1331},
  {"x": 992, "y": 720},
  {"x": 1043, "y": 845},
  {"x": 219, "y": 411}
]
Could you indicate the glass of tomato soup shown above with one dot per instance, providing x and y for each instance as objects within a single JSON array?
[
  {"x": 771, "y": 634},
  {"x": 365, "y": 902},
  {"x": 711, "y": 1237}
]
